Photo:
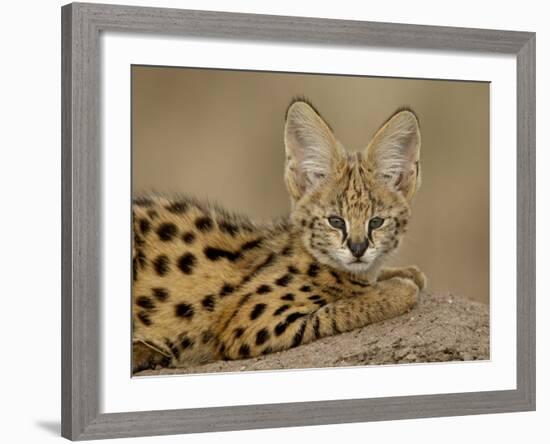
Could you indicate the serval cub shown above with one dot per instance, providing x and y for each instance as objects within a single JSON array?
[{"x": 211, "y": 285}]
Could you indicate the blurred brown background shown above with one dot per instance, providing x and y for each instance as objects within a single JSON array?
[{"x": 218, "y": 134}]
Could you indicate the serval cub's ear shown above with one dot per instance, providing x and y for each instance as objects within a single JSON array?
[
  {"x": 312, "y": 151},
  {"x": 394, "y": 153}
]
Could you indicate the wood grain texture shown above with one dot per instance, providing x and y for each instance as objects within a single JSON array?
[
  {"x": 66, "y": 224},
  {"x": 80, "y": 222},
  {"x": 230, "y": 25},
  {"x": 526, "y": 217},
  {"x": 118, "y": 425},
  {"x": 81, "y": 231}
]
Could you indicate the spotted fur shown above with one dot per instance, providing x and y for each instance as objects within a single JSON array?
[{"x": 210, "y": 285}]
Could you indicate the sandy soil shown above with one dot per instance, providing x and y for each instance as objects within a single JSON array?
[{"x": 441, "y": 328}]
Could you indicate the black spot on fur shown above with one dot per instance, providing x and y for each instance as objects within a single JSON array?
[
  {"x": 315, "y": 297},
  {"x": 267, "y": 351},
  {"x": 162, "y": 265},
  {"x": 321, "y": 302},
  {"x": 263, "y": 289},
  {"x": 299, "y": 335},
  {"x": 239, "y": 332},
  {"x": 187, "y": 343},
  {"x": 316, "y": 329},
  {"x": 204, "y": 223},
  {"x": 313, "y": 270},
  {"x": 293, "y": 270},
  {"x": 287, "y": 251},
  {"x": 280, "y": 328},
  {"x": 358, "y": 283},
  {"x": 229, "y": 228},
  {"x": 173, "y": 348},
  {"x": 335, "y": 328},
  {"x": 186, "y": 263},
  {"x": 336, "y": 277},
  {"x": 281, "y": 309},
  {"x": 283, "y": 281},
  {"x": 188, "y": 237},
  {"x": 244, "y": 351},
  {"x": 175, "y": 351},
  {"x": 226, "y": 289},
  {"x": 257, "y": 311},
  {"x": 305, "y": 288},
  {"x": 145, "y": 302},
  {"x": 144, "y": 226},
  {"x": 215, "y": 254},
  {"x": 166, "y": 231},
  {"x": 185, "y": 310},
  {"x": 287, "y": 297},
  {"x": 177, "y": 207},
  {"x": 152, "y": 214},
  {"x": 209, "y": 302},
  {"x": 142, "y": 201},
  {"x": 250, "y": 245},
  {"x": 262, "y": 336},
  {"x": 293, "y": 316},
  {"x": 160, "y": 294},
  {"x": 144, "y": 318}
]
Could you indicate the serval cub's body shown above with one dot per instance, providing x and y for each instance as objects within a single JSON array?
[{"x": 209, "y": 285}]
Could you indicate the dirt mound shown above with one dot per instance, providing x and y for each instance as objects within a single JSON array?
[{"x": 440, "y": 328}]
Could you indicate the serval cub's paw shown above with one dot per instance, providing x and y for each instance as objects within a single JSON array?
[
  {"x": 413, "y": 272},
  {"x": 145, "y": 357},
  {"x": 408, "y": 290},
  {"x": 401, "y": 294}
]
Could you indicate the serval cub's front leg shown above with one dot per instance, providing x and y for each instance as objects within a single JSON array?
[
  {"x": 302, "y": 324},
  {"x": 410, "y": 272}
]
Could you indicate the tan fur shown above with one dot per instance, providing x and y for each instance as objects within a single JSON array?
[{"x": 209, "y": 285}]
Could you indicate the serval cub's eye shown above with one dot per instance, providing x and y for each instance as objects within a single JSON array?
[
  {"x": 375, "y": 222},
  {"x": 337, "y": 222}
]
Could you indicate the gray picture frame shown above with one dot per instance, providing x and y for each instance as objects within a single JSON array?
[{"x": 81, "y": 175}]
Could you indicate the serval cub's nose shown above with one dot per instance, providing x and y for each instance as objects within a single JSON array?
[{"x": 358, "y": 248}]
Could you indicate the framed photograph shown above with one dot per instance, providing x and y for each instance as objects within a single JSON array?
[{"x": 278, "y": 221}]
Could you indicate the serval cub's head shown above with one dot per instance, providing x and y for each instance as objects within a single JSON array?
[{"x": 352, "y": 207}]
